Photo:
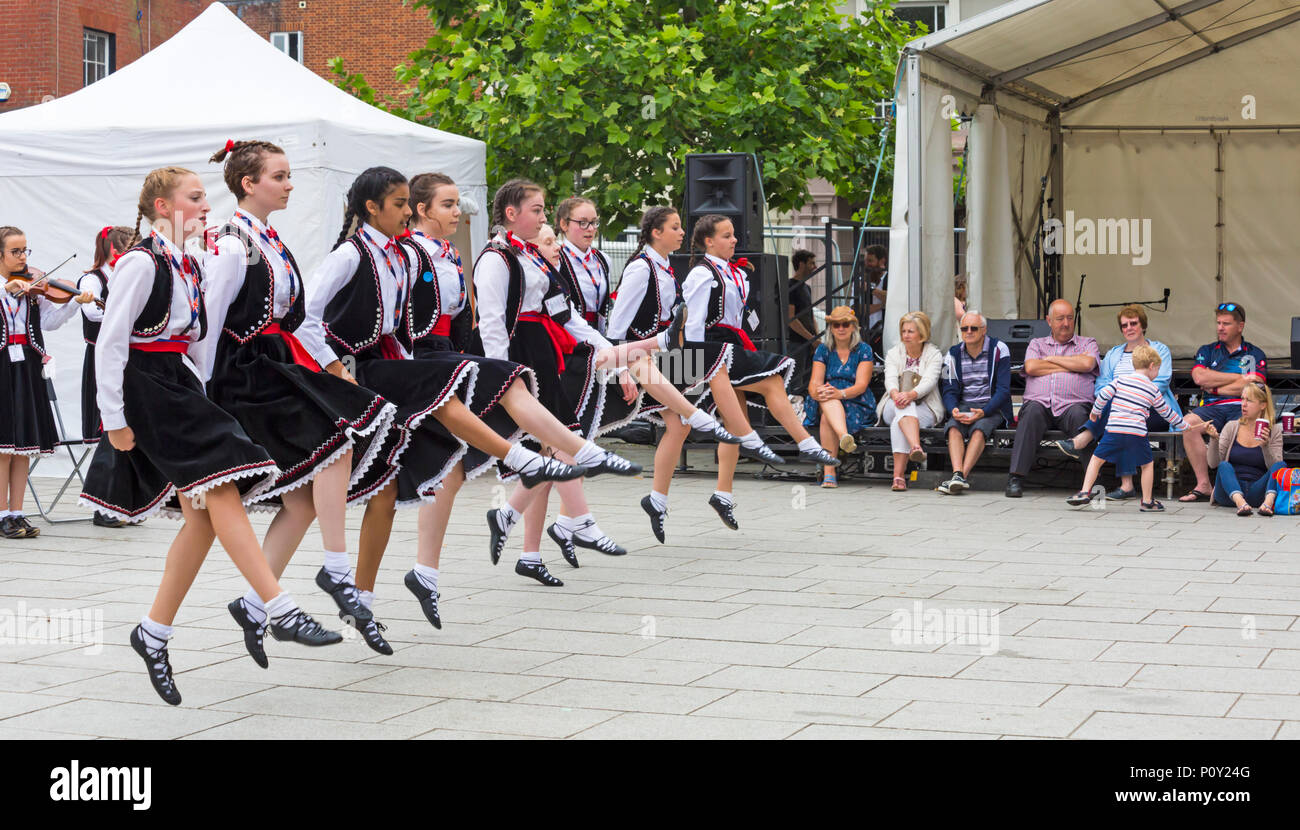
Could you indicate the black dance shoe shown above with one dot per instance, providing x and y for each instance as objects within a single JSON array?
[
  {"x": 818, "y": 456},
  {"x": 724, "y": 511},
  {"x": 370, "y": 632},
  {"x": 159, "y": 666},
  {"x": 552, "y": 469},
  {"x": 499, "y": 536},
  {"x": 762, "y": 453},
  {"x": 299, "y": 627},
  {"x": 344, "y": 595},
  {"x": 537, "y": 571},
  {"x": 656, "y": 518},
  {"x": 718, "y": 433},
  {"x": 604, "y": 544},
  {"x": 254, "y": 632},
  {"x": 616, "y": 464},
  {"x": 428, "y": 599},
  {"x": 676, "y": 331},
  {"x": 101, "y": 520},
  {"x": 566, "y": 545}
]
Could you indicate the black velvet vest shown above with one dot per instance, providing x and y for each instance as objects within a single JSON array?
[
  {"x": 355, "y": 317},
  {"x": 89, "y": 327},
  {"x": 157, "y": 313},
  {"x": 34, "y": 336},
  {"x": 254, "y": 306},
  {"x": 424, "y": 305}
]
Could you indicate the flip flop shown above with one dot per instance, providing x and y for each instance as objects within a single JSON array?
[
  {"x": 1265, "y": 511},
  {"x": 1196, "y": 495},
  {"x": 1245, "y": 510}
]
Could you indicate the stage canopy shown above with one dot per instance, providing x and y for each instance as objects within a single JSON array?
[
  {"x": 75, "y": 164},
  {"x": 1165, "y": 134}
]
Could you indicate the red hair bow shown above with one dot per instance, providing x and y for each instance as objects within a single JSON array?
[
  {"x": 103, "y": 232},
  {"x": 743, "y": 263},
  {"x": 230, "y": 144}
]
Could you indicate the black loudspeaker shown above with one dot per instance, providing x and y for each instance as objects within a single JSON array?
[
  {"x": 726, "y": 184},
  {"x": 1295, "y": 342},
  {"x": 769, "y": 289},
  {"x": 1017, "y": 334}
]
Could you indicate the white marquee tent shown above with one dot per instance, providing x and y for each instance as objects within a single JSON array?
[
  {"x": 75, "y": 164},
  {"x": 1179, "y": 121}
]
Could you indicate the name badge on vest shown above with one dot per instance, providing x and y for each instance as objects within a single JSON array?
[
  {"x": 16, "y": 353},
  {"x": 557, "y": 308},
  {"x": 753, "y": 320}
]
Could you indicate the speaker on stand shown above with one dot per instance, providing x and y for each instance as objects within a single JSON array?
[{"x": 726, "y": 184}]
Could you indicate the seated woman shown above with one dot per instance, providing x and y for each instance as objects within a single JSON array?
[
  {"x": 1244, "y": 464},
  {"x": 912, "y": 399},
  {"x": 1117, "y": 363},
  {"x": 841, "y": 375}
]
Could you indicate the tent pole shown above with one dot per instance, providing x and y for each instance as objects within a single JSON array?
[
  {"x": 915, "y": 163},
  {"x": 1056, "y": 172},
  {"x": 1218, "y": 220}
]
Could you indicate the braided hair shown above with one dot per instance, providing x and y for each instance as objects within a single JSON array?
[
  {"x": 373, "y": 185},
  {"x": 705, "y": 228},
  {"x": 243, "y": 158},
  {"x": 652, "y": 220},
  {"x": 511, "y": 194},
  {"x": 160, "y": 183}
]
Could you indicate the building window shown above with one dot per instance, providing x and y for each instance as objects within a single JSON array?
[
  {"x": 289, "y": 43},
  {"x": 931, "y": 14},
  {"x": 99, "y": 55}
]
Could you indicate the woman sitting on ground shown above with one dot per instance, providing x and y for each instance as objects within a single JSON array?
[{"x": 1243, "y": 464}]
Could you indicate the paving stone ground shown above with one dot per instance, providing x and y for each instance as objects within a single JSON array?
[{"x": 849, "y": 613}]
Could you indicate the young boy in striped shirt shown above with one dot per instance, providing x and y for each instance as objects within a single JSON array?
[{"x": 1131, "y": 398}]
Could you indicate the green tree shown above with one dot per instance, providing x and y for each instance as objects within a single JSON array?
[{"x": 606, "y": 97}]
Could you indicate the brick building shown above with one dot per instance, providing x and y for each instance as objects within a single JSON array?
[{"x": 55, "y": 47}]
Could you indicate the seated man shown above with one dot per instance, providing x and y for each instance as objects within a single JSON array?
[
  {"x": 1222, "y": 368},
  {"x": 1062, "y": 370},
  {"x": 976, "y": 394}
]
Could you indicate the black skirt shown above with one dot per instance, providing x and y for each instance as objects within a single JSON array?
[
  {"x": 689, "y": 369},
  {"x": 746, "y": 367},
  {"x": 493, "y": 379},
  {"x": 531, "y": 346},
  {"x": 90, "y": 426},
  {"x": 305, "y": 419},
  {"x": 183, "y": 442},
  {"x": 26, "y": 421},
  {"x": 601, "y": 406}
]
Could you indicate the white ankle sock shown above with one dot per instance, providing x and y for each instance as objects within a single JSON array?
[
  {"x": 4, "y": 514},
  {"x": 531, "y": 557},
  {"x": 337, "y": 566},
  {"x": 751, "y": 440},
  {"x": 521, "y": 459},
  {"x": 810, "y": 444},
  {"x": 506, "y": 517},
  {"x": 156, "y": 634},
  {"x": 367, "y": 598},
  {"x": 428, "y": 577},
  {"x": 701, "y": 420},
  {"x": 586, "y": 529},
  {"x": 659, "y": 501},
  {"x": 565, "y": 525},
  {"x": 281, "y": 606},
  {"x": 589, "y": 454},
  {"x": 724, "y": 497},
  {"x": 254, "y": 606}
]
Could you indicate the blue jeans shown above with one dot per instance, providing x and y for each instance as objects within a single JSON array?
[{"x": 1225, "y": 484}]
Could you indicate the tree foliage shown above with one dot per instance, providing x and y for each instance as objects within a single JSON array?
[{"x": 606, "y": 97}]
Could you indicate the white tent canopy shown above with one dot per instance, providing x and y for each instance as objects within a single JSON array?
[
  {"x": 75, "y": 164},
  {"x": 1166, "y": 134}
]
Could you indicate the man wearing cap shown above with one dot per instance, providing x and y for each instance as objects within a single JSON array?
[{"x": 1222, "y": 369}]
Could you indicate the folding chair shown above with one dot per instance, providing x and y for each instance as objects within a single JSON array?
[{"x": 85, "y": 446}]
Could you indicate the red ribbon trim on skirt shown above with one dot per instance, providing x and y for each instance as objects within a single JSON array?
[
  {"x": 176, "y": 346},
  {"x": 443, "y": 326},
  {"x": 560, "y": 338},
  {"x": 299, "y": 354},
  {"x": 744, "y": 338},
  {"x": 18, "y": 340}
]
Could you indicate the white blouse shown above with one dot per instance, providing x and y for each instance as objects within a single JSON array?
[
  {"x": 698, "y": 286},
  {"x": 632, "y": 290},
  {"x": 453, "y": 291},
  {"x": 593, "y": 282}
]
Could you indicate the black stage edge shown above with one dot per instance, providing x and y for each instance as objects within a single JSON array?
[{"x": 256, "y": 781}]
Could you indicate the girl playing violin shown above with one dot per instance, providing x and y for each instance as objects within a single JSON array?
[{"x": 26, "y": 423}]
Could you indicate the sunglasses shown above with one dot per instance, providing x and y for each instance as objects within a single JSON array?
[
  {"x": 971, "y": 328},
  {"x": 1234, "y": 308},
  {"x": 841, "y": 325},
  {"x": 1130, "y": 324}
]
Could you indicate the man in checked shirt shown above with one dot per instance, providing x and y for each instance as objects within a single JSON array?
[{"x": 1061, "y": 371}]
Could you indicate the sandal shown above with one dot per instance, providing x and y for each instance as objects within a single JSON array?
[
  {"x": 1194, "y": 496},
  {"x": 1264, "y": 510},
  {"x": 1245, "y": 510},
  {"x": 917, "y": 455},
  {"x": 830, "y": 482},
  {"x": 1152, "y": 506},
  {"x": 900, "y": 484},
  {"x": 1079, "y": 499}
]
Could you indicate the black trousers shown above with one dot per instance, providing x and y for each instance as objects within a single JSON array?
[{"x": 1035, "y": 419}]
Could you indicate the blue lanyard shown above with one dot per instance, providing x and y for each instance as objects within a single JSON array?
[
  {"x": 13, "y": 305},
  {"x": 272, "y": 240},
  {"x": 448, "y": 252},
  {"x": 393, "y": 272},
  {"x": 595, "y": 283},
  {"x": 193, "y": 292}
]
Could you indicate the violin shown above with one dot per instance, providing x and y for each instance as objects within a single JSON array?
[{"x": 39, "y": 284}]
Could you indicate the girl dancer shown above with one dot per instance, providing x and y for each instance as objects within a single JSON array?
[
  {"x": 165, "y": 438},
  {"x": 716, "y": 291},
  {"x": 588, "y": 269},
  {"x": 525, "y": 314},
  {"x": 26, "y": 423},
  {"x": 646, "y": 292},
  {"x": 360, "y": 299},
  {"x": 316, "y": 427}
]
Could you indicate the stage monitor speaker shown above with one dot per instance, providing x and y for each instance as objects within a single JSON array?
[
  {"x": 726, "y": 184},
  {"x": 769, "y": 290},
  {"x": 1295, "y": 342},
  {"x": 1017, "y": 334}
]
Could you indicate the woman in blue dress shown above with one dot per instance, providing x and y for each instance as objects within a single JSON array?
[{"x": 839, "y": 395}]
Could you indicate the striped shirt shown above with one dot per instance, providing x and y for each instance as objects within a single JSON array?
[{"x": 1131, "y": 399}]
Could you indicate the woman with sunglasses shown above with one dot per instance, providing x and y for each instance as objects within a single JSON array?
[
  {"x": 839, "y": 394},
  {"x": 1117, "y": 363}
]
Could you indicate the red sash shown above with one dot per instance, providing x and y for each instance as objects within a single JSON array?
[
  {"x": 443, "y": 326},
  {"x": 591, "y": 318},
  {"x": 560, "y": 338},
  {"x": 18, "y": 340},
  {"x": 299, "y": 354},
  {"x": 389, "y": 348},
  {"x": 744, "y": 338},
  {"x": 176, "y": 346}
]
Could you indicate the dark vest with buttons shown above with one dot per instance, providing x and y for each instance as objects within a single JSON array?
[
  {"x": 34, "y": 337},
  {"x": 89, "y": 327},
  {"x": 355, "y": 317},
  {"x": 570, "y": 276},
  {"x": 649, "y": 314},
  {"x": 717, "y": 296},
  {"x": 157, "y": 313},
  {"x": 252, "y": 310},
  {"x": 424, "y": 304},
  {"x": 515, "y": 289}
]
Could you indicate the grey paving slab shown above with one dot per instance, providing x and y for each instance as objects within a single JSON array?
[{"x": 1124, "y": 725}]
